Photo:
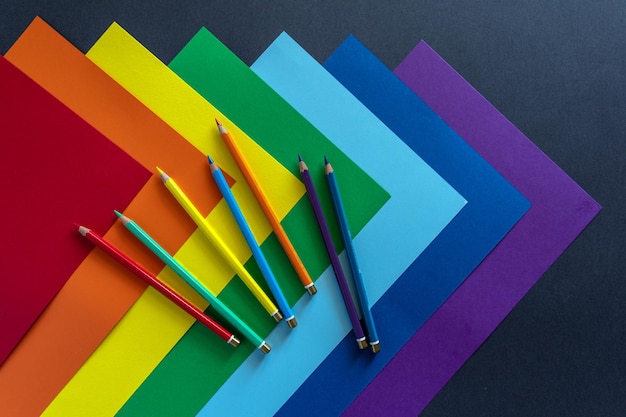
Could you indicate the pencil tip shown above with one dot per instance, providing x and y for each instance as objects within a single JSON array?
[
  {"x": 220, "y": 127},
  {"x": 210, "y": 159},
  {"x": 302, "y": 164},
  {"x": 125, "y": 220},
  {"x": 328, "y": 168},
  {"x": 163, "y": 175},
  {"x": 81, "y": 229}
]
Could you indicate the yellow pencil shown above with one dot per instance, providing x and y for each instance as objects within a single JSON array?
[
  {"x": 220, "y": 245},
  {"x": 282, "y": 237}
]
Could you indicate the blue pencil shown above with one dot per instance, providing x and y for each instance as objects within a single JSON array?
[
  {"x": 372, "y": 334},
  {"x": 252, "y": 243}
]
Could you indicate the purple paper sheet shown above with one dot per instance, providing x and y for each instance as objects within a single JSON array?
[{"x": 560, "y": 211}]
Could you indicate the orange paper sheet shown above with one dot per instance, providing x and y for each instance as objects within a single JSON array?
[{"x": 79, "y": 318}]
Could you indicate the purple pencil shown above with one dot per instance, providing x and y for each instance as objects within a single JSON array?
[{"x": 332, "y": 254}]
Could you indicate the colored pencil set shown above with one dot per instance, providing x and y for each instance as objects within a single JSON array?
[{"x": 277, "y": 313}]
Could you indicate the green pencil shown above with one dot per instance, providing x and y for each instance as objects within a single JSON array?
[{"x": 169, "y": 260}]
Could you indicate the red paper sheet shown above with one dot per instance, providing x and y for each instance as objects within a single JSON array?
[{"x": 56, "y": 169}]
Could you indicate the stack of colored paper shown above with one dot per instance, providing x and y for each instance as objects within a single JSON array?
[{"x": 454, "y": 212}]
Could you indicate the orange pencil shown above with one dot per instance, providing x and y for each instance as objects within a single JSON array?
[{"x": 282, "y": 237}]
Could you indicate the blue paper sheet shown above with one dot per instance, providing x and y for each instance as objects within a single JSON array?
[
  {"x": 421, "y": 204},
  {"x": 494, "y": 206}
]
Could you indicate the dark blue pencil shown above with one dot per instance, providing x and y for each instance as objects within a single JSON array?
[{"x": 340, "y": 211}]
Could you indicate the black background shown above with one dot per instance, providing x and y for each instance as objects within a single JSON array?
[{"x": 556, "y": 69}]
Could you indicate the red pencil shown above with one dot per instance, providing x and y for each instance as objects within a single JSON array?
[{"x": 159, "y": 286}]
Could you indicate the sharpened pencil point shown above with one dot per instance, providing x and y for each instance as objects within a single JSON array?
[
  {"x": 328, "y": 168},
  {"x": 122, "y": 218},
  {"x": 325, "y": 160},
  {"x": 163, "y": 175},
  {"x": 302, "y": 164},
  {"x": 210, "y": 159},
  {"x": 82, "y": 230},
  {"x": 221, "y": 127}
]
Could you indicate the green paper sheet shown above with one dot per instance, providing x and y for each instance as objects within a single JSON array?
[{"x": 208, "y": 366}]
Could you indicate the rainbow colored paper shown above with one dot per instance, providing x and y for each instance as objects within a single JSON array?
[{"x": 456, "y": 214}]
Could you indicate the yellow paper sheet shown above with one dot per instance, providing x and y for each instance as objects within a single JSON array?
[{"x": 153, "y": 326}]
